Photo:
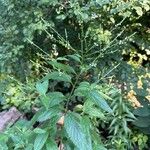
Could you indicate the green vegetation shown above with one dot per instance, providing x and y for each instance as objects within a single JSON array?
[{"x": 78, "y": 70}]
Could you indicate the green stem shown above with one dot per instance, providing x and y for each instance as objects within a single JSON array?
[
  {"x": 71, "y": 93},
  {"x": 82, "y": 43}
]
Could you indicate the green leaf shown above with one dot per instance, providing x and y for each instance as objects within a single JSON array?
[
  {"x": 39, "y": 130},
  {"x": 84, "y": 16},
  {"x": 75, "y": 132},
  {"x": 86, "y": 125},
  {"x": 48, "y": 114},
  {"x": 40, "y": 141},
  {"x": 142, "y": 122},
  {"x": 105, "y": 96},
  {"x": 52, "y": 99},
  {"x": 142, "y": 111},
  {"x": 45, "y": 101},
  {"x": 67, "y": 146},
  {"x": 92, "y": 111},
  {"x": 60, "y": 76},
  {"x": 51, "y": 145},
  {"x": 42, "y": 87},
  {"x": 62, "y": 58},
  {"x": 3, "y": 137},
  {"x": 29, "y": 147},
  {"x": 99, "y": 147},
  {"x": 82, "y": 89},
  {"x": 95, "y": 112},
  {"x": 35, "y": 118},
  {"x": 97, "y": 141},
  {"x": 75, "y": 57},
  {"x": 102, "y": 2},
  {"x": 95, "y": 96},
  {"x": 63, "y": 67},
  {"x": 50, "y": 2},
  {"x": 55, "y": 98},
  {"x": 3, "y": 146}
]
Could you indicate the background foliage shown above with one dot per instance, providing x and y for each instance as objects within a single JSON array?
[{"x": 102, "y": 42}]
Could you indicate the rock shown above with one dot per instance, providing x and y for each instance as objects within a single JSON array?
[{"x": 9, "y": 117}]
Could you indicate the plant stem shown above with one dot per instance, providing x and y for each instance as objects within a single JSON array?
[{"x": 71, "y": 93}]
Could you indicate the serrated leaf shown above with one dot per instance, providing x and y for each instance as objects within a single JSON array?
[
  {"x": 95, "y": 96},
  {"x": 75, "y": 132},
  {"x": 63, "y": 67},
  {"x": 146, "y": 130},
  {"x": 84, "y": 85},
  {"x": 60, "y": 76},
  {"x": 92, "y": 111},
  {"x": 95, "y": 112},
  {"x": 86, "y": 125},
  {"x": 82, "y": 89},
  {"x": 97, "y": 142},
  {"x": 105, "y": 96},
  {"x": 55, "y": 98},
  {"x": 143, "y": 111},
  {"x": 45, "y": 101},
  {"x": 48, "y": 114},
  {"x": 42, "y": 87},
  {"x": 142, "y": 122},
  {"x": 39, "y": 131},
  {"x": 51, "y": 145},
  {"x": 40, "y": 141}
]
